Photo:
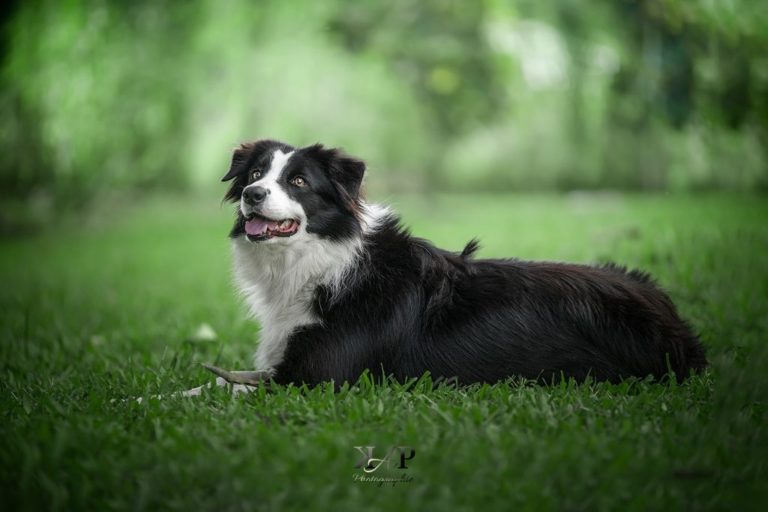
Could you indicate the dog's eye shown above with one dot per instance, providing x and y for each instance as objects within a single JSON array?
[
  {"x": 299, "y": 181},
  {"x": 256, "y": 174}
]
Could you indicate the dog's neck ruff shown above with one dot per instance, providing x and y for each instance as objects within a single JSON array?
[{"x": 278, "y": 282}]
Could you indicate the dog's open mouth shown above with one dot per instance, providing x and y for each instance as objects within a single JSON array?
[{"x": 259, "y": 228}]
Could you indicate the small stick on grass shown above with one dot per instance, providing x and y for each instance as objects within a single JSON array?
[{"x": 248, "y": 378}]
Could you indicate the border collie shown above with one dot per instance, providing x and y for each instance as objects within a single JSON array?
[{"x": 339, "y": 286}]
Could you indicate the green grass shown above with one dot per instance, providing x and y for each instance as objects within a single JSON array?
[{"x": 106, "y": 308}]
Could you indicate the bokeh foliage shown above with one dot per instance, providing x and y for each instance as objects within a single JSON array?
[{"x": 486, "y": 95}]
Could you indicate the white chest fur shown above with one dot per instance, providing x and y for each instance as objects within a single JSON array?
[{"x": 278, "y": 282}]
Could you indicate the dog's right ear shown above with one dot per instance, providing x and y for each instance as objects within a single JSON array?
[
  {"x": 239, "y": 159},
  {"x": 237, "y": 170}
]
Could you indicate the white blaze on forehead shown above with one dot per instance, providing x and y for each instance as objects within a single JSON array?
[{"x": 279, "y": 161}]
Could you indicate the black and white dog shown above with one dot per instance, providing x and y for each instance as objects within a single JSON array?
[{"x": 339, "y": 286}]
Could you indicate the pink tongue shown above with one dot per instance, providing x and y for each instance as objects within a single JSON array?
[{"x": 258, "y": 226}]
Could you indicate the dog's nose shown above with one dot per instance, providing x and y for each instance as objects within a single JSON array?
[{"x": 254, "y": 195}]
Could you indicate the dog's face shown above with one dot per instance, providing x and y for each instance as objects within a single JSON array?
[{"x": 286, "y": 194}]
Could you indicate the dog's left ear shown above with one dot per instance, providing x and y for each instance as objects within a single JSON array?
[{"x": 348, "y": 173}]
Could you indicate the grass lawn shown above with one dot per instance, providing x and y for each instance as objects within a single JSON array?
[{"x": 109, "y": 308}]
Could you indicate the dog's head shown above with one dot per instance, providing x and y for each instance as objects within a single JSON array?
[{"x": 286, "y": 193}]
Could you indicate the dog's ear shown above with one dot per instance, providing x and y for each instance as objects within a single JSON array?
[
  {"x": 348, "y": 173},
  {"x": 240, "y": 157},
  {"x": 237, "y": 171}
]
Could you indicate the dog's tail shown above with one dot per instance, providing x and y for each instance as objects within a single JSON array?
[{"x": 470, "y": 249}]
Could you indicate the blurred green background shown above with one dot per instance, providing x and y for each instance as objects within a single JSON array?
[{"x": 437, "y": 95}]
